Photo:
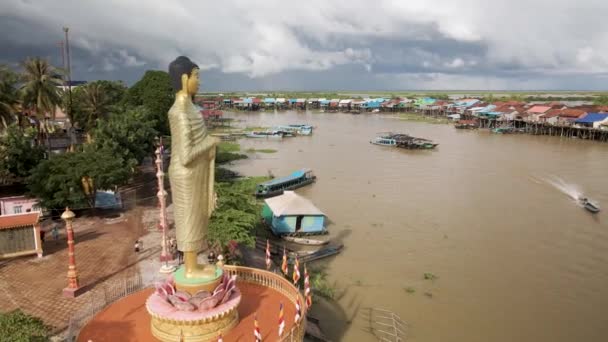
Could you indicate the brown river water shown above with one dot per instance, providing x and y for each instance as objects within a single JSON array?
[{"x": 490, "y": 215}]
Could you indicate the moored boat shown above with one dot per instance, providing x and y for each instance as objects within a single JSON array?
[
  {"x": 590, "y": 206},
  {"x": 466, "y": 124},
  {"x": 305, "y": 241},
  {"x": 296, "y": 129},
  {"x": 403, "y": 141},
  {"x": 278, "y": 185},
  {"x": 320, "y": 254},
  {"x": 265, "y": 134},
  {"x": 503, "y": 130}
]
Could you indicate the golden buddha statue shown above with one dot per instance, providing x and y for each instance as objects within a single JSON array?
[{"x": 191, "y": 174}]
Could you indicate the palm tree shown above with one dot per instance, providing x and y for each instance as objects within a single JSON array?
[
  {"x": 9, "y": 99},
  {"x": 40, "y": 92},
  {"x": 96, "y": 105}
]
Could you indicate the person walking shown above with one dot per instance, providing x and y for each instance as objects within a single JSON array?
[
  {"x": 136, "y": 246},
  {"x": 55, "y": 233}
]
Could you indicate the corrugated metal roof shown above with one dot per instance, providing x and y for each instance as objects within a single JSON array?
[
  {"x": 592, "y": 117},
  {"x": 538, "y": 109},
  {"x": 18, "y": 220},
  {"x": 291, "y": 203}
]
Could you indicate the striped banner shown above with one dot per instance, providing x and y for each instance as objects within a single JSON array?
[
  {"x": 296, "y": 271},
  {"x": 307, "y": 293},
  {"x": 284, "y": 264},
  {"x": 256, "y": 329},
  {"x": 298, "y": 309},
  {"x": 281, "y": 321},
  {"x": 268, "y": 261}
]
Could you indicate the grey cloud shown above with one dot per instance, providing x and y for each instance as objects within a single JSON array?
[{"x": 341, "y": 44}]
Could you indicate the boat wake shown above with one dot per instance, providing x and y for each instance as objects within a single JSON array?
[{"x": 569, "y": 189}]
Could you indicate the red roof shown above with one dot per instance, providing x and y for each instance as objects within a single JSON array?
[
  {"x": 573, "y": 113},
  {"x": 256, "y": 100},
  {"x": 18, "y": 220},
  {"x": 538, "y": 109},
  {"x": 552, "y": 113}
]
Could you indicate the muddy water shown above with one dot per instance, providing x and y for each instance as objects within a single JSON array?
[{"x": 490, "y": 215}]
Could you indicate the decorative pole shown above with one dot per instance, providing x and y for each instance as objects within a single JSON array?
[
  {"x": 165, "y": 256},
  {"x": 72, "y": 289}
]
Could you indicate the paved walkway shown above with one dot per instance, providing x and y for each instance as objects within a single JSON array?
[{"x": 104, "y": 250}]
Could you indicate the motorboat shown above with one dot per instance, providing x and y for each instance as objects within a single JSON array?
[{"x": 587, "y": 204}]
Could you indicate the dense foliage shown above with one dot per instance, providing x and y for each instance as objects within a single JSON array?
[
  {"x": 71, "y": 179},
  {"x": 154, "y": 92},
  {"x": 18, "y": 153},
  {"x": 16, "y": 326},
  {"x": 129, "y": 135},
  {"x": 237, "y": 213},
  {"x": 94, "y": 101},
  {"x": 9, "y": 97}
]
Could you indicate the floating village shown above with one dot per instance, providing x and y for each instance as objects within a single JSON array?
[{"x": 583, "y": 121}]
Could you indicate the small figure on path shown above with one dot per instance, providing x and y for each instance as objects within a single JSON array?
[
  {"x": 136, "y": 246},
  {"x": 55, "y": 233}
]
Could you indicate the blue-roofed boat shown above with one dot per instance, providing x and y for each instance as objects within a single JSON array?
[{"x": 276, "y": 186}]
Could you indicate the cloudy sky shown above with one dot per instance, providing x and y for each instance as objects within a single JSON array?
[{"x": 323, "y": 44}]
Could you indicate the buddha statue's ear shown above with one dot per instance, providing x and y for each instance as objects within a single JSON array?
[{"x": 185, "y": 83}]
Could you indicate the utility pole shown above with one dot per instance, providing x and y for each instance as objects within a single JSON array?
[
  {"x": 69, "y": 72},
  {"x": 68, "y": 69}
]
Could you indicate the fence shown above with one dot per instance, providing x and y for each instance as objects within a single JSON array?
[
  {"x": 112, "y": 291},
  {"x": 386, "y": 325}
]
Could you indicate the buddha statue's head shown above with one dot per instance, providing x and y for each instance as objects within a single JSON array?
[{"x": 184, "y": 76}]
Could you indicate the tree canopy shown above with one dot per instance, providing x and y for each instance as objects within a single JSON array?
[
  {"x": 154, "y": 92},
  {"x": 9, "y": 97},
  {"x": 129, "y": 134},
  {"x": 39, "y": 90},
  {"x": 18, "y": 153},
  {"x": 94, "y": 101},
  {"x": 60, "y": 181}
]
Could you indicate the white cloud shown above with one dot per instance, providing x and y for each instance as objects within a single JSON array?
[{"x": 456, "y": 63}]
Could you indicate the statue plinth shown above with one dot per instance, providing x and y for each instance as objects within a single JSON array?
[
  {"x": 194, "y": 285},
  {"x": 192, "y": 326}
]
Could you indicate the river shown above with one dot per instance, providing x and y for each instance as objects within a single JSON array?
[{"x": 491, "y": 216}]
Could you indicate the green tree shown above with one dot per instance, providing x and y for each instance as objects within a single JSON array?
[
  {"x": 16, "y": 326},
  {"x": 18, "y": 153},
  {"x": 94, "y": 101},
  {"x": 129, "y": 135},
  {"x": 154, "y": 92},
  {"x": 237, "y": 213},
  {"x": 40, "y": 91},
  {"x": 71, "y": 179},
  {"x": 9, "y": 98}
]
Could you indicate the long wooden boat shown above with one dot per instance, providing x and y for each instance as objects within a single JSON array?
[
  {"x": 297, "y": 129},
  {"x": 404, "y": 141},
  {"x": 276, "y": 186},
  {"x": 265, "y": 134},
  {"x": 320, "y": 254},
  {"x": 304, "y": 241},
  {"x": 503, "y": 130}
]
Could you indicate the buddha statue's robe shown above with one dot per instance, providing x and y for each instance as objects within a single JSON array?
[{"x": 191, "y": 174}]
